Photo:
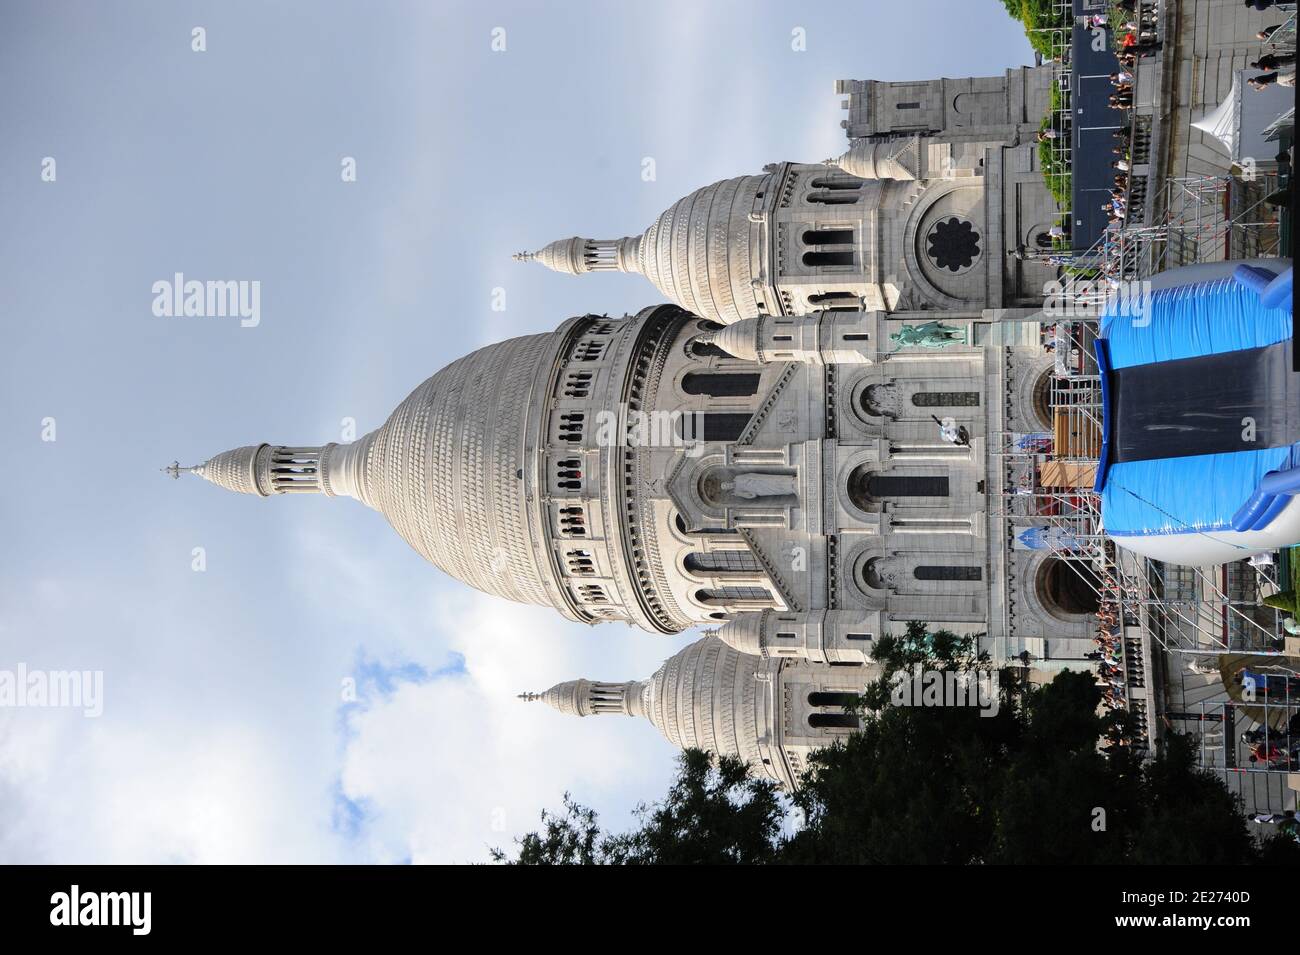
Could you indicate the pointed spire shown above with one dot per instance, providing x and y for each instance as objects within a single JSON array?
[
  {"x": 266, "y": 469},
  {"x": 577, "y": 256},
  {"x": 589, "y": 698}
]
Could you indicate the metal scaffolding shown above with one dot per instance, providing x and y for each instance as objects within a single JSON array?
[
  {"x": 1245, "y": 715},
  {"x": 1201, "y": 616}
]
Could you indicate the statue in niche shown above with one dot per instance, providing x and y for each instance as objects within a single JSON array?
[
  {"x": 928, "y": 335},
  {"x": 882, "y": 400},
  {"x": 883, "y": 573},
  {"x": 750, "y": 485}
]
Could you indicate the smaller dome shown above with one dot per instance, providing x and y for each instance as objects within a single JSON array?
[
  {"x": 705, "y": 696},
  {"x": 700, "y": 252}
]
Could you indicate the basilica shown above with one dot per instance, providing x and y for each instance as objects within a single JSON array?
[{"x": 844, "y": 350}]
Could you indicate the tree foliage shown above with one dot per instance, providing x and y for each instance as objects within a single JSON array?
[
  {"x": 715, "y": 813},
  {"x": 1037, "y": 15},
  {"x": 937, "y": 784}
]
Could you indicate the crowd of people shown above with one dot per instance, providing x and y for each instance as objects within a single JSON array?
[
  {"x": 1115, "y": 669},
  {"x": 1105, "y": 267},
  {"x": 1275, "y": 749},
  {"x": 1275, "y": 66},
  {"x": 1138, "y": 40}
]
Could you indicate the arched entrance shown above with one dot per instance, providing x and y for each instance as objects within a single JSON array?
[{"x": 1068, "y": 589}]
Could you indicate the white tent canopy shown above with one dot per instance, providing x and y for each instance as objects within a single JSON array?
[{"x": 1240, "y": 121}]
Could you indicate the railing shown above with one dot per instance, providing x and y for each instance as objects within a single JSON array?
[{"x": 1060, "y": 110}]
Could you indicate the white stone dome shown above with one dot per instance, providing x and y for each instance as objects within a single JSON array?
[
  {"x": 705, "y": 696},
  {"x": 704, "y": 253},
  {"x": 700, "y": 252}
]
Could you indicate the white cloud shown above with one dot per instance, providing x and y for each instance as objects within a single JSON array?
[
  {"x": 90, "y": 791},
  {"x": 450, "y": 767}
]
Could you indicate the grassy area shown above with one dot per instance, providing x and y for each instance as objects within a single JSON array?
[
  {"x": 1056, "y": 174},
  {"x": 1038, "y": 16}
]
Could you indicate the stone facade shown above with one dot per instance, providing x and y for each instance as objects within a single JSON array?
[{"x": 762, "y": 454}]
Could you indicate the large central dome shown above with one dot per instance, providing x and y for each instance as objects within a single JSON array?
[{"x": 517, "y": 469}]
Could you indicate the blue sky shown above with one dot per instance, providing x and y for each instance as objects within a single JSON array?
[{"x": 225, "y": 735}]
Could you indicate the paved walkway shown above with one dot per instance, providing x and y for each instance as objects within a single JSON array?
[{"x": 1094, "y": 125}]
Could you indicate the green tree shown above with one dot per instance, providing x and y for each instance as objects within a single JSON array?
[
  {"x": 1025, "y": 784},
  {"x": 715, "y": 813}
]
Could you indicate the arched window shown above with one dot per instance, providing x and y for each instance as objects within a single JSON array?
[
  {"x": 823, "y": 259},
  {"x": 723, "y": 562},
  {"x": 946, "y": 399},
  {"x": 833, "y": 721},
  {"x": 828, "y": 237},
  {"x": 937, "y": 572},
  {"x": 906, "y": 485},
  {"x": 723, "y": 596},
  {"x": 703, "y": 349},
  {"x": 571, "y": 425},
  {"x": 833, "y": 197},
  {"x": 717, "y": 385},
  {"x": 867, "y": 488},
  {"x": 713, "y": 425},
  {"x": 573, "y": 521},
  {"x": 843, "y": 700},
  {"x": 831, "y": 182},
  {"x": 680, "y": 523},
  {"x": 577, "y": 384},
  {"x": 568, "y": 474}
]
